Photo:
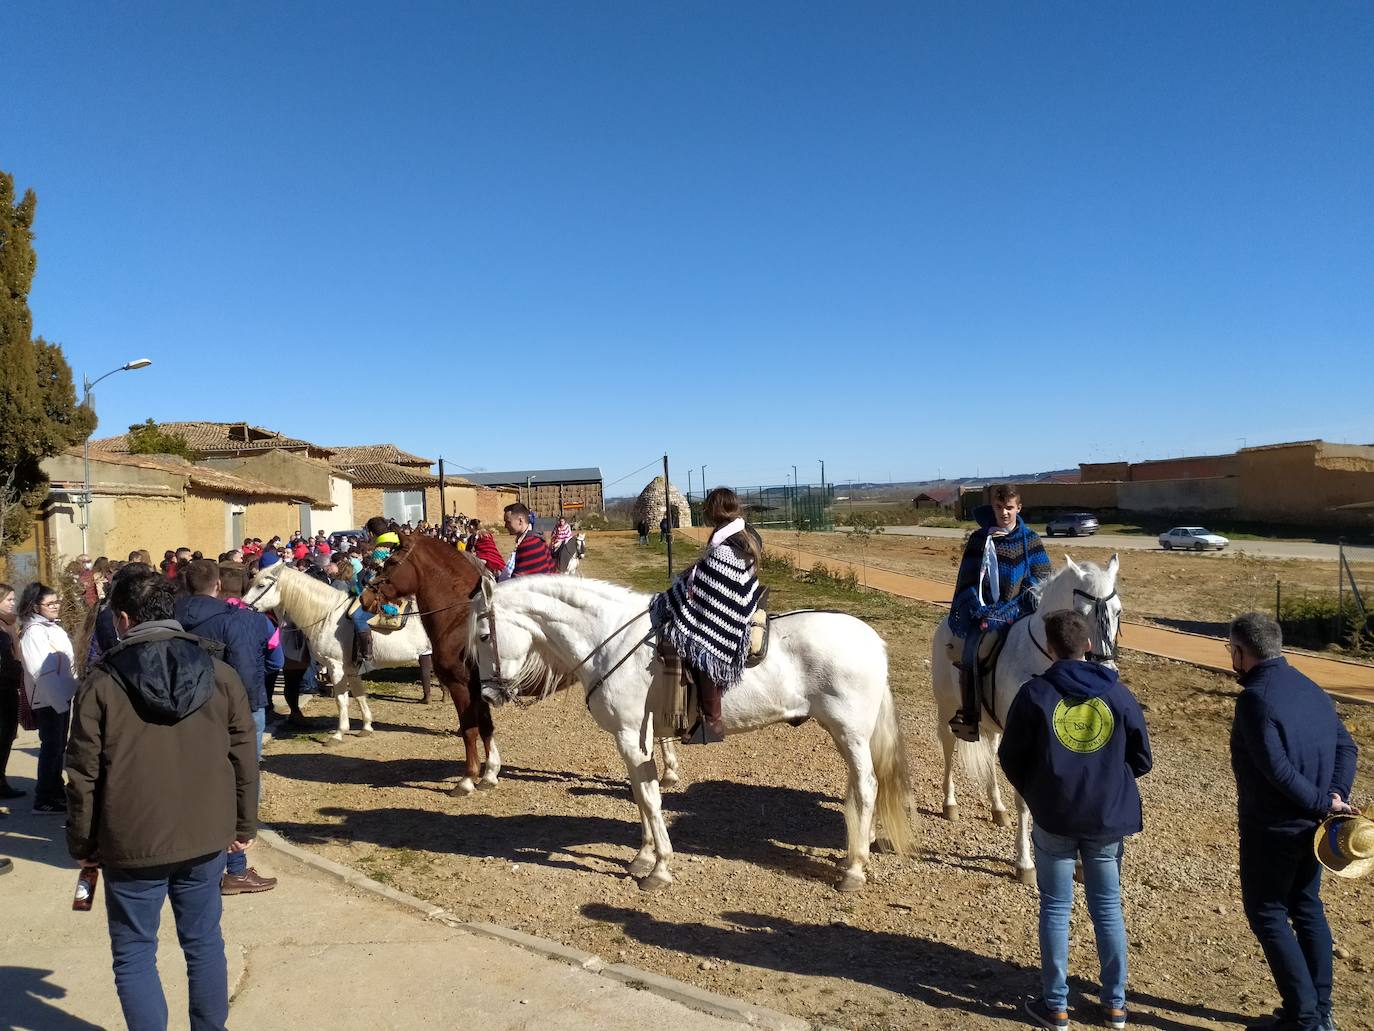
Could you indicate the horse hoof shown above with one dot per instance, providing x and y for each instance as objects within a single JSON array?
[
  {"x": 1001, "y": 818},
  {"x": 486, "y": 784},
  {"x": 656, "y": 882},
  {"x": 668, "y": 780},
  {"x": 365, "y": 732},
  {"x": 853, "y": 882},
  {"x": 642, "y": 866},
  {"x": 1026, "y": 876},
  {"x": 951, "y": 813},
  {"x": 332, "y": 740},
  {"x": 463, "y": 787}
]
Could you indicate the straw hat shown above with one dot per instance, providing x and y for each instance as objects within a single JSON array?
[{"x": 1345, "y": 845}]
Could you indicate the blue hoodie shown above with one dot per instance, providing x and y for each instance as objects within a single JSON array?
[
  {"x": 1074, "y": 744},
  {"x": 244, "y": 634}
]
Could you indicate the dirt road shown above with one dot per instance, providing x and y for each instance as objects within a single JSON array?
[{"x": 1128, "y": 542}]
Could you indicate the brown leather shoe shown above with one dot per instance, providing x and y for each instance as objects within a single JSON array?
[{"x": 245, "y": 883}]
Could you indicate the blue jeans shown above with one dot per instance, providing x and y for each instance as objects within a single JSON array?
[
  {"x": 237, "y": 863},
  {"x": 1280, "y": 888},
  {"x": 52, "y": 745},
  {"x": 133, "y": 900},
  {"x": 1054, "y": 863},
  {"x": 360, "y": 617}
]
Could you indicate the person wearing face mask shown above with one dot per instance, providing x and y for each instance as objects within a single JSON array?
[
  {"x": 1294, "y": 763},
  {"x": 1003, "y": 560}
]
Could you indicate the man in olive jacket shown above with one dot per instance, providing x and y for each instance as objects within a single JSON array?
[{"x": 162, "y": 778}]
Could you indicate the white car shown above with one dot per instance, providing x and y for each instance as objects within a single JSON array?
[{"x": 1191, "y": 538}]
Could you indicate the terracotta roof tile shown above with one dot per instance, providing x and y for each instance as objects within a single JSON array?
[
  {"x": 217, "y": 437},
  {"x": 368, "y": 454},
  {"x": 386, "y": 474}
]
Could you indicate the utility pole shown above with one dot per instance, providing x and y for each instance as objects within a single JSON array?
[
  {"x": 689, "y": 487},
  {"x": 443, "y": 508},
  {"x": 668, "y": 513}
]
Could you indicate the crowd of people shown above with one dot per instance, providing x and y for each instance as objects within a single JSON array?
[{"x": 179, "y": 678}]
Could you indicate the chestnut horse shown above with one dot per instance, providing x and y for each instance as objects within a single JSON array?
[{"x": 441, "y": 579}]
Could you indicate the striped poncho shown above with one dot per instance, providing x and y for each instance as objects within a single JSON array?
[{"x": 705, "y": 614}]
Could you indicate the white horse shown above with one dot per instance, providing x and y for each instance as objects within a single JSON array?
[
  {"x": 1085, "y": 588},
  {"x": 823, "y": 665},
  {"x": 570, "y": 554},
  {"x": 321, "y": 613}
]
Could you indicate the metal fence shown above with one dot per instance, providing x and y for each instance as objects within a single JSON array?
[{"x": 785, "y": 507}]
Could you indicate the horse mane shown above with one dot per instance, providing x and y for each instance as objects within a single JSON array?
[
  {"x": 537, "y": 678},
  {"x": 310, "y": 598}
]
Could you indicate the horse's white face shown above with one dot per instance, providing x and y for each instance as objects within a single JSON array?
[
  {"x": 265, "y": 591},
  {"x": 1091, "y": 592},
  {"x": 501, "y": 646}
]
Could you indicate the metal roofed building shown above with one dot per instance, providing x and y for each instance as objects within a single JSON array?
[{"x": 549, "y": 492}]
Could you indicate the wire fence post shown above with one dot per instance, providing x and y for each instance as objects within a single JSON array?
[
  {"x": 1278, "y": 601},
  {"x": 1340, "y": 588}
]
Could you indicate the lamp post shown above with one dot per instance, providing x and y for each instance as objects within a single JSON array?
[{"x": 86, "y": 385}]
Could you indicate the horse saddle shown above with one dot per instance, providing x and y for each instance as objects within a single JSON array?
[
  {"x": 990, "y": 645},
  {"x": 759, "y": 626},
  {"x": 382, "y": 622}
]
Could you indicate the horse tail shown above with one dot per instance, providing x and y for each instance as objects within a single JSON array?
[
  {"x": 978, "y": 760},
  {"x": 888, "y": 750}
]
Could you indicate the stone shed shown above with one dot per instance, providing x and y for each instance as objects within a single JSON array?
[{"x": 650, "y": 504}]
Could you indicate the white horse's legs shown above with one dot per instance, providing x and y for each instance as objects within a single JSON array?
[
  {"x": 948, "y": 743},
  {"x": 643, "y": 862},
  {"x": 1025, "y": 863},
  {"x": 859, "y": 800},
  {"x": 342, "y": 701},
  {"x": 999, "y": 810},
  {"x": 493, "y": 767},
  {"x": 670, "y": 777},
  {"x": 366, "y": 711},
  {"x": 644, "y": 783}
]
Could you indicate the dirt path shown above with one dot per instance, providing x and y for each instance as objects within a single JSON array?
[
  {"x": 1346, "y": 679},
  {"x": 942, "y": 940}
]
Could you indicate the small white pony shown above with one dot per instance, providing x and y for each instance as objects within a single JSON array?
[
  {"x": 824, "y": 665},
  {"x": 320, "y": 612},
  {"x": 1085, "y": 588}
]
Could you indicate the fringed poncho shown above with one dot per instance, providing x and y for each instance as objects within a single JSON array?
[{"x": 705, "y": 614}]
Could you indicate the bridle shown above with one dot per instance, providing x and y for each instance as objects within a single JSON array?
[
  {"x": 1100, "y": 614},
  {"x": 489, "y": 674}
]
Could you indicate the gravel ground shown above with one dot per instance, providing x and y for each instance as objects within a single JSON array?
[{"x": 945, "y": 939}]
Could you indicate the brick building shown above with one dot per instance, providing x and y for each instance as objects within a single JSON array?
[{"x": 551, "y": 492}]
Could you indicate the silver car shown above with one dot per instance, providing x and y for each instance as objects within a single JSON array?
[
  {"x": 1191, "y": 538},
  {"x": 1072, "y": 524}
]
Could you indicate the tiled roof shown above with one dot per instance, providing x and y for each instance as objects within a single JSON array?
[
  {"x": 368, "y": 454},
  {"x": 386, "y": 474},
  {"x": 216, "y": 438},
  {"x": 540, "y": 477},
  {"x": 197, "y": 475}
]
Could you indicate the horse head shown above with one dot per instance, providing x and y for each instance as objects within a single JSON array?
[
  {"x": 399, "y": 579},
  {"x": 264, "y": 592},
  {"x": 1089, "y": 590},
  {"x": 508, "y": 664},
  {"x": 403, "y": 573}
]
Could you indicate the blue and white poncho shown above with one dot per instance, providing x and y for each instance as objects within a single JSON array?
[{"x": 705, "y": 614}]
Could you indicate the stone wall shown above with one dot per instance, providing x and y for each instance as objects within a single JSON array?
[{"x": 649, "y": 506}]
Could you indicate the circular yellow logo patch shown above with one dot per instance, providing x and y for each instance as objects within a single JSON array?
[{"x": 1085, "y": 727}]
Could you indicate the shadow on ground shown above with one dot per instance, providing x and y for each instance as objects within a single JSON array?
[{"x": 940, "y": 975}]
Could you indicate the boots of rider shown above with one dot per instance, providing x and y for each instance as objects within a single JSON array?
[
  {"x": 965, "y": 721},
  {"x": 362, "y": 651},
  {"x": 709, "y": 729},
  {"x": 427, "y": 675}
]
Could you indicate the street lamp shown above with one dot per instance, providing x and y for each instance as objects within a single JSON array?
[{"x": 86, "y": 385}]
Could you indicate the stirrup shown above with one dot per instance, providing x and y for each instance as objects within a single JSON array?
[
  {"x": 494, "y": 696},
  {"x": 701, "y": 734},
  {"x": 963, "y": 729}
]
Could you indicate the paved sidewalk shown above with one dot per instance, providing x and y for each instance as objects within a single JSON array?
[{"x": 314, "y": 953}]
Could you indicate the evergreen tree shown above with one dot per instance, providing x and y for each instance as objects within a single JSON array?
[
  {"x": 148, "y": 438},
  {"x": 38, "y": 409}
]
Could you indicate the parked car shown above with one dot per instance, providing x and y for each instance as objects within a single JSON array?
[
  {"x": 1074, "y": 524},
  {"x": 1191, "y": 538}
]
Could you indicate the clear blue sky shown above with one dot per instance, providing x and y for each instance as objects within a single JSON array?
[{"x": 905, "y": 238}]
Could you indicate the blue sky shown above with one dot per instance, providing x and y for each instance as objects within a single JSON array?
[{"x": 909, "y": 239}]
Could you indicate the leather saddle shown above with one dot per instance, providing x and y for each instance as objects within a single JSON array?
[{"x": 990, "y": 646}]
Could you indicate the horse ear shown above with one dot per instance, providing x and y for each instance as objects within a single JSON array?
[
  {"x": 486, "y": 590},
  {"x": 1069, "y": 563},
  {"x": 1113, "y": 565}
]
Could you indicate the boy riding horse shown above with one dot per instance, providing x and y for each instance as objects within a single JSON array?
[{"x": 1002, "y": 561}]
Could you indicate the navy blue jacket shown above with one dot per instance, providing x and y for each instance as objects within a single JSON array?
[
  {"x": 1074, "y": 744},
  {"x": 242, "y": 633},
  {"x": 1289, "y": 750}
]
